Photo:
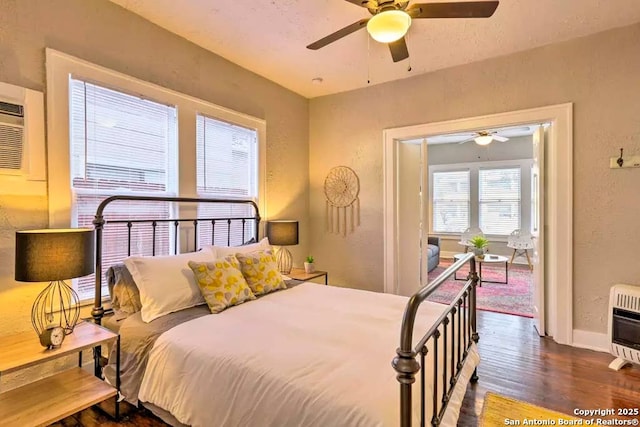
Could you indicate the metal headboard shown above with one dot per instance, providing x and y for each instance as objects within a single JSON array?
[{"x": 99, "y": 223}]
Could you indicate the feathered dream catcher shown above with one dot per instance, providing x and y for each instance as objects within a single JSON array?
[{"x": 341, "y": 187}]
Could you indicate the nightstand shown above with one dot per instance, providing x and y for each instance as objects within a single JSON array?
[
  {"x": 55, "y": 397},
  {"x": 300, "y": 274}
]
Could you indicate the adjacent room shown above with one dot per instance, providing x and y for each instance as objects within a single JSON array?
[
  {"x": 482, "y": 193},
  {"x": 246, "y": 213}
]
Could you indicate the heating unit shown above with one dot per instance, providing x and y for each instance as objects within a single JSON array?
[{"x": 624, "y": 325}]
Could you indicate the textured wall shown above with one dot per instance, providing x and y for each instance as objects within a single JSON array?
[
  {"x": 599, "y": 74},
  {"x": 108, "y": 35}
]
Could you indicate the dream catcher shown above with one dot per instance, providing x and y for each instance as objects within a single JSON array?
[{"x": 341, "y": 187}]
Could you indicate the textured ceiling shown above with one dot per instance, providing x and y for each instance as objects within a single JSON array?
[{"x": 269, "y": 37}]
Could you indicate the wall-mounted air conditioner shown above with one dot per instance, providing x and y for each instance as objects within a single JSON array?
[
  {"x": 22, "y": 144},
  {"x": 624, "y": 325},
  {"x": 11, "y": 138}
]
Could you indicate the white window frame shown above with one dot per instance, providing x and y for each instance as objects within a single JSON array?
[
  {"x": 474, "y": 168},
  {"x": 431, "y": 204},
  {"x": 59, "y": 66},
  {"x": 519, "y": 200}
]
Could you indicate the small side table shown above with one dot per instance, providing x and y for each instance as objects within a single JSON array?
[
  {"x": 300, "y": 274},
  {"x": 53, "y": 398}
]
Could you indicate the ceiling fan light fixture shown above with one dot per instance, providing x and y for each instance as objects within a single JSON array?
[
  {"x": 483, "y": 139},
  {"x": 389, "y": 26}
]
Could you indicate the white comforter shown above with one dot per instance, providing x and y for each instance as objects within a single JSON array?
[{"x": 310, "y": 356}]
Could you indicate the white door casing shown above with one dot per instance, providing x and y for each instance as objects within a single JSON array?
[
  {"x": 537, "y": 230},
  {"x": 559, "y": 201}
]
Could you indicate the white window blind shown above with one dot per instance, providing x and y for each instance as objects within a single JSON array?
[
  {"x": 120, "y": 144},
  {"x": 227, "y": 168},
  {"x": 450, "y": 196},
  {"x": 499, "y": 198}
]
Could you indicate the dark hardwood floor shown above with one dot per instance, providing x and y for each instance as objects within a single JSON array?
[{"x": 515, "y": 363}]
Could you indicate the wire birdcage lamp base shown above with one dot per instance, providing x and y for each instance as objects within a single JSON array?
[
  {"x": 284, "y": 260},
  {"x": 57, "y": 305}
]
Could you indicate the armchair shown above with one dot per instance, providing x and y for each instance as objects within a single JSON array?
[{"x": 433, "y": 252}]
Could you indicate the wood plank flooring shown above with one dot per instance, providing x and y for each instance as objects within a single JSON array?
[{"x": 515, "y": 363}]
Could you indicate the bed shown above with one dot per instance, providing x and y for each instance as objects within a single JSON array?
[{"x": 307, "y": 355}]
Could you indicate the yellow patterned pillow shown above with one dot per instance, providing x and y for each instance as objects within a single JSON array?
[
  {"x": 221, "y": 283},
  {"x": 261, "y": 272}
]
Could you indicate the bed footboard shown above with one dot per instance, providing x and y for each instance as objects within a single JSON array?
[{"x": 449, "y": 339}]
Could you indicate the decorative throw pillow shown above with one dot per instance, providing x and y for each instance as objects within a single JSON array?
[
  {"x": 221, "y": 283},
  {"x": 260, "y": 269}
]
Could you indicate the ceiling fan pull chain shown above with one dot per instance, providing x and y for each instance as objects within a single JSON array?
[
  {"x": 409, "y": 67},
  {"x": 368, "y": 60}
]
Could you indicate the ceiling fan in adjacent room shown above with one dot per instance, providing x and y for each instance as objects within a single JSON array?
[
  {"x": 392, "y": 18},
  {"x": 484, "y": 137}
]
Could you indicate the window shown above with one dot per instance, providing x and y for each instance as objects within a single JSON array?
[
  {"x": 227, "y": 168},
  {"x": 451, "y": 201},
  {"x": 119, "y": 144},
  {"x": 493, "y": 196},
  {"x": 109, "y": 133},
  {"x": 499, "y": 200}
]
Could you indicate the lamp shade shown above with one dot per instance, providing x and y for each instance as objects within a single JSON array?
[
  {"x": 483, "y": 139},
  {"x": 282, "y": 232},
  {"x": 389, "y": 26},
  {"x": 54, "y": 254}
]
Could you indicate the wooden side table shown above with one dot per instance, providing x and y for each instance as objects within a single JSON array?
[
  {"x": 53, "y": 398},
  {"x": 300, "y": 274}
]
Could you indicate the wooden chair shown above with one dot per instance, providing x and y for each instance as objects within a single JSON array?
[{"x": 520, "y": 242}]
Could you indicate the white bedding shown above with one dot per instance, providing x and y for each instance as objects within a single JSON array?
[{"x": 309, "y": 356}]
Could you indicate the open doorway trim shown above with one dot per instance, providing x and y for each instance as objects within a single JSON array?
[{"x": 559, "y": 201}]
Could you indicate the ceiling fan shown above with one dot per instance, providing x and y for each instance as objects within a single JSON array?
[
  {"x": 484, "y": 137},
  {"x": 392, "y": 18}
]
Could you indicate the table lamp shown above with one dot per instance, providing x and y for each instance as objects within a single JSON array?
[
  {"x": 283, "y": 233},
  {"x": 54, "y": 255}
]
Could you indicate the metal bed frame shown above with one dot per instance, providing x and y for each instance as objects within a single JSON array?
[{"x": 460, "y": 314}]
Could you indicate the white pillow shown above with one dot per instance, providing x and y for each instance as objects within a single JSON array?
[
  {"x": 223, "y": 251},
  {"x": 166, "y": 283}
]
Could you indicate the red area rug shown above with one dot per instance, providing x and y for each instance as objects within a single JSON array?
[{"x": 512, "y": 298}]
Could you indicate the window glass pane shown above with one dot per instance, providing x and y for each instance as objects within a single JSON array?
[
  {"x": 227, "y": 168},
  {"x": 119, "y": 144},
  {"x": 499, "y": 193},
  {"x": 450, "y": 200}
]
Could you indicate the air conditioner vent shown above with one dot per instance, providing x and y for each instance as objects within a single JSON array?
[
  {"x": 11, "y": 109},
  {"x": 11, "y": 146}
]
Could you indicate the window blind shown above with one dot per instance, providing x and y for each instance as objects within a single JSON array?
[
  {"x": 120, "y": 143},
  {"x": 499, "y": 199},
  {"x": 227, "y": 168},
  {"x": 450, "y": 196}
]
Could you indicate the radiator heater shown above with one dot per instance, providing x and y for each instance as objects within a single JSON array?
[{"x": 624, "y": 325}]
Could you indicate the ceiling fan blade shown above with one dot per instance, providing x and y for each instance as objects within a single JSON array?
[
  {"x": 338, "y": 34},
  {"x": 499, "y": 138},
  {"x": 399, "y": 50},
  {"x": 467, "y": 140},
  {"x": 369, "y": 4},
  {"x": 471, "y": 9}
]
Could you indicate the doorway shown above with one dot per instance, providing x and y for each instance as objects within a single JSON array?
[
  {"x": 556, "y": 318},
  {"x": 480, "y": 185}
]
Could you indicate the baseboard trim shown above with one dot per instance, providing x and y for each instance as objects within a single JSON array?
[
  {"x": 591, "y": 340},
  {"x": 447, "y": 254}
]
